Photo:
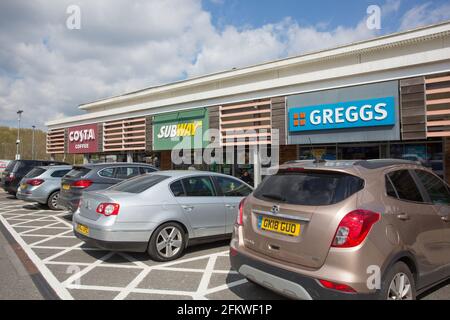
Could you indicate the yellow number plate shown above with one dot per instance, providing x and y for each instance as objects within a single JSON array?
[
  {"x": 82, "y": 229},
  {"x": 279, "y": 226},
  {"x": 66, "y": 186},
  {"x": 23, "y": 186}
]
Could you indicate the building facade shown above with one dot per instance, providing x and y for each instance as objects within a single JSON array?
[{"x": 387, "y": 97}]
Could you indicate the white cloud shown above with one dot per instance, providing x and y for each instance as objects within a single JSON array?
[
  {"x": 48, "y": 70},
  {"x": 425, "y": 14}
]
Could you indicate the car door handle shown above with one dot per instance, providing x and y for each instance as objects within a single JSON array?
[
  {"x": 445, "y": 219},
  {"x": 403, "y": 216},
  {"x": 230, "y": 206},
  {"x": 188, "y": 208}
]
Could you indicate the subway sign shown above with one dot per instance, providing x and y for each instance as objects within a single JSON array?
[{"x": 343, "y": 115}]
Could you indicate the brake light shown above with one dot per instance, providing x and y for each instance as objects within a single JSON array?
[
  {"x": 240, "y": 217},
  {"x": 10, "y": 177},
  {"x": 354, "y": 228},
  {"x": 337, "y": 286},
  {"x": 108, "y": 209},
  {"x": 82, "y": 183},
  {"x": 34, "y": 182}
]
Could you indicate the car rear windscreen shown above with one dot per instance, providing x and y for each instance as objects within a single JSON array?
[
  {"x": 138, "y": 184},
  {"x": 311, "y": 188},
  {"x": 78, "y": 172},
  {"x": 35, "y": 172},
  {"x": 11, "y": 165}
]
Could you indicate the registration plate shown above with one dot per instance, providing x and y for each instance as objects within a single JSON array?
[
  {"x": 279, "y": 226},
  {"x": 23, "y": 186},
  {"x": 83, "y": 229},
  {"x": 66, "y": 186}
]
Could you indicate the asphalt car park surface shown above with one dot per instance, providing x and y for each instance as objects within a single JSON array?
[{"x": 75, "y": 270}]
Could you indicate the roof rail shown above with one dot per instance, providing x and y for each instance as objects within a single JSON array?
[{"x": 381, "y": 163}]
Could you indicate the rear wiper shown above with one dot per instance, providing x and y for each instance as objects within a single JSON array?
[{"x": 273, "y": 196}]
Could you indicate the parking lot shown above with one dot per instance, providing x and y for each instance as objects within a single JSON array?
[{"x": 76, "y": 271}]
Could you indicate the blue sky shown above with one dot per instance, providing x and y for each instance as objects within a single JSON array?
[{"x": 48, "y": 70}]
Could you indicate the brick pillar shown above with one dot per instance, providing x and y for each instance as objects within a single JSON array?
[
  {"x": 288, "y": 153},
  {"x": 447, "y": 159}
]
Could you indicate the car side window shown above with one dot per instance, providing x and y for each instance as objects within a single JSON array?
[
  {"x": 106, "y": 173},
  {"x": 59, "y": 173},
  {"x": 147, "y": 170},
  {"x": 232, "y": 187},
  {"x": 198, "y": 186},
  {"x": 177, "y": 189},
  {"x": 390, "y": 190},
  {"x": 127, "y": 172},
  {"x": 435, "y": 187},
  {"x": 405, "y": 186}
]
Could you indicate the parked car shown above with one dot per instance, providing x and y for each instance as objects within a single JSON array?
[
  {"x": 375, "y": 229},
  {"x": 3, "y": 165},
  {"x": 42, "y": 185},
  {"x": 98, "y": 176},
  {"x": 17, "y": 169},
  {"x": 161, "y": 213}
]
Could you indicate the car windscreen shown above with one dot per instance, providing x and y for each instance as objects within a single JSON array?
[
  {"x": 313, "y": 188},
  {"x": 78, "y": 172},
  {"x": 138, "y": 184},
  {"x": 35, "y": 172}
]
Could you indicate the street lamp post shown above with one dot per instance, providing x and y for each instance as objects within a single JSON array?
[
  {"x": 32, "y": 144},
  {"x": 18, "y": 136}
]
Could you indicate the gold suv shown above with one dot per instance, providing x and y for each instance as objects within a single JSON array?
[{"x": 371, "y": 229}]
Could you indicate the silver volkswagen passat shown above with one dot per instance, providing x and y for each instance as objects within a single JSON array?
[{"x": 161, "y": 213}]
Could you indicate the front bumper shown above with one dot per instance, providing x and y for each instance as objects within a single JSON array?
[
  {"x": 287, "y": 283},
  {"x": 108, "y": 238}
]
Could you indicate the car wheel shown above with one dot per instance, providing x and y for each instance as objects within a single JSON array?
[
  {"x": 52, "y": 201},
  {"x": 167, "y": 242},
  {"x": 398, "y": 284}
]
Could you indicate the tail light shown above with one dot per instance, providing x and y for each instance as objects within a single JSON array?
[
  {"x": 354, "y": 228},
  {"x": 10, "y": 177},
  {"x": 82, "y": 183},
  {"x": 34, "y": 182},
  {"x": 240, "y": 217},
  {"x": 337, "y": 286},
  {"x": 108, "y": 209}
]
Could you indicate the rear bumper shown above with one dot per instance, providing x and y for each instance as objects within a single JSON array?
[
  {"x": 108, "y": 238},
  {"x": 31, "y": 197},
  {"x": 287, "y": 283},
  {"x": 69, "y": 203}
]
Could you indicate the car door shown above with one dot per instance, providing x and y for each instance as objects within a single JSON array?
[
  {"x": 202, "y": 206},
  {"x": 232, "y": 191},
  {"x": 414, "y": 217},
  {"x": 439, "y": 195}
]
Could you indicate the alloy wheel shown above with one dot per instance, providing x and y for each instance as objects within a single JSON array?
[
  {"x": 169, "y": 241},
  {"x": 400, "y": 288},
  {"x": 54, "y": 200}
]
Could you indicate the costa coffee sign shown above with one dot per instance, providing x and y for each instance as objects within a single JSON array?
[{"x": 83, "y": 139}]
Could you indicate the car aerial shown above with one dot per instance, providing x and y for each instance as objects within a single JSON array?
[
  {"x": 17, "y": 169},
  {"x": 42, "y": 185},
  {"x": 98, "y": 176},
  {"x": 373, "y": 229},
  {"x": 161, "y": 213}
]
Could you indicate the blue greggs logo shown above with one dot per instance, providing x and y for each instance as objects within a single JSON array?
[{"x": 353, "y": 114}]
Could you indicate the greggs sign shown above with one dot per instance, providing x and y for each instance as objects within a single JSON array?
[
  {"x": 342, "y": 115},
  {"x": 83, "y": 139}
]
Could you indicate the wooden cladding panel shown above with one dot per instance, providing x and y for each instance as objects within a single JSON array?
[
  {"x": 412, "y": 108},
  {"x": 246, "y": 123},
  {"x": 279, "y": 117},
  {"x": 437, "y": 94},
  {"x": 125, "y": 135},
  {"x": 55, "y": 142}
]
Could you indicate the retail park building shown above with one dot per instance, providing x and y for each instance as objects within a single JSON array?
[{"x": 388, "y": 97}]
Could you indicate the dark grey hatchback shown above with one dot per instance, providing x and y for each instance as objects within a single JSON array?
[{"x": 97, "y": 176}]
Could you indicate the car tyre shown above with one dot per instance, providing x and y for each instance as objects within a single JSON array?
[
  {"x": 398, "y": 283},
  {"x": 167, "y": 242},
  {"x": 53, "y": 200}
]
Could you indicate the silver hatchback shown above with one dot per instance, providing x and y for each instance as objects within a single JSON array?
[
  {"x": 161, "y": 213},
  {"x": 42, "y": 185}
]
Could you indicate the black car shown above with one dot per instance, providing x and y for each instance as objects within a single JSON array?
[
  {"x": 99, "y": 176},
  {"x": 17, "y": 169}
]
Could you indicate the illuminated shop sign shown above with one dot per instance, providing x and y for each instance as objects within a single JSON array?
[
  {"x": 83, "y": 139},
  {"x": 183, "y": 129},
  {"x": 342, "y": 115}
]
